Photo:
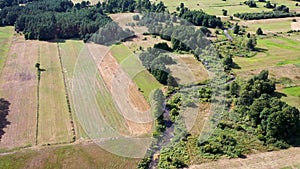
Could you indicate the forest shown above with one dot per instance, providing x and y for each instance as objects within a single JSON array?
[{"x": 47, "y": 20}]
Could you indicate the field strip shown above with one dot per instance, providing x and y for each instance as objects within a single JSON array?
[
  {"x": 6, "y": 36},
  {"x": 131, "y": 64},
  {"x": 67, "y": 95},
  {"x": 18, "y": 86},
  {"x": 97, "y": 111},
  {"x": 268, "y": 160},
  {"x": 129, "y": 100},
  {"x": 54, "y": 120},
  {"x": 70, "y": 50}
]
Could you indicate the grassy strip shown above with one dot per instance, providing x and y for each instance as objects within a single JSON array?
[
  {"x": 70, "y": 50},
  {"x": 6, "y": 34},
  {"x": 53, "y": 108},
  {"x": 67, "y": 95}
]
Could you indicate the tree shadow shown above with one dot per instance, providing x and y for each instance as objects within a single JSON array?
[
  {"x": 4, "y": 110},
  {"x": 235, "y": 66},
  {"x": 279, "y": 95},
  {"x": 260, "y": 49}
]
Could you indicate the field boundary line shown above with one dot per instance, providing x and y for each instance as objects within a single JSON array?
[
  {"x": 38, "y": 98},
  {"x": 67, "y": 96}
]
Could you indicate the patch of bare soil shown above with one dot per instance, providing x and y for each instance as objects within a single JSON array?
[{"x": 267, "y": 160}]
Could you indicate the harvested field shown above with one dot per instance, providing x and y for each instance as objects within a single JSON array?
[
  {"x": 131, "y": 64},
  {"x": 187, "y": 70},
  {"x": 128, "y": 101},
  {"x": 97, "y": 110},
  {"x": 267, "y": 160},
  {"x": 70, "y": 50},
  {"x": 6, "y": 35},
  {"x": 19, "y": 87},
  {"x": 54, "y": 123},
  {"x": 272, "y": 25},
  {"x": 214, "y": 7},
  {"x": 287, "y": 71}
]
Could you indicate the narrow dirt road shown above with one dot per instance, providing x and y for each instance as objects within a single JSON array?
[{"x": 267, "y": 160}]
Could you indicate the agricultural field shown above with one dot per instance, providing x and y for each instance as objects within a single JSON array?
[
  {"x": 124, "y": 93},
  {"x": 54, "y": 123},
  {"x": 276, "y": 159},
  {"x": 6, "y": 34},
  {"x": 83, "y": 155},
  {"x": 275, "y": 51},
  {"x": 86, "y": 105},
  {"x": 187, "y": 69},
  {"x": 133, "y": 67},
  {"x": 270, "y": 25},
  {"x": 214, "y": 7},
  {"x": 69, "y": 52},
  {"x": 19, "y": 87}
]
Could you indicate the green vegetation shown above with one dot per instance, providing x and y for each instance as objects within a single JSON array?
[
  {"x": 6, "y": 34},
  {"x": 265, "y": 15},
  {"x": 275, "y": 51},
  {"x": 72, "y": 156},
  {"x": 294, "y": 91},
  {"x": 54, "y": 123}
]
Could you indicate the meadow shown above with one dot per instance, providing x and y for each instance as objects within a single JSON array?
[
  {"x": 69, "y": 156},
  {"x": 54, "y": 123},
  {"x": 268, "y": 25},
  {"x": 274, "y": 51},
  {"x": 6, "y": 34}
]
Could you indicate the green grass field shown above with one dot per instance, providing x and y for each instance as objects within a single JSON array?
[
  {"x": 6, "y": 34},
  {"x": 133, "y": 67},
  {"x": 54, "y": 121},
  {"x": 293, "y": 96},
  {"x": 293, "y": 91},
  {"x": 276, "y": 51}
]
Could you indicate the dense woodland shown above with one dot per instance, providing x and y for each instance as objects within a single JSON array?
[
  {"x": 46, "y": 20},
  {"x": 199, "y": 18}
]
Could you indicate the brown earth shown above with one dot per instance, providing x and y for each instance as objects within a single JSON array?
[
  {"x": 19, "y": 87},
  {"x": 267, "y": 160},
  {"x": 124, "y": 91}
]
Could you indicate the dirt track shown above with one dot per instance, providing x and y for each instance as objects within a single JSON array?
[{"x": 268, "y": 160}]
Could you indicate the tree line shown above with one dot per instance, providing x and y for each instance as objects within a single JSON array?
[
  {"x": 199, "y": 17},
  {"x": 265, "y": 15}
]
